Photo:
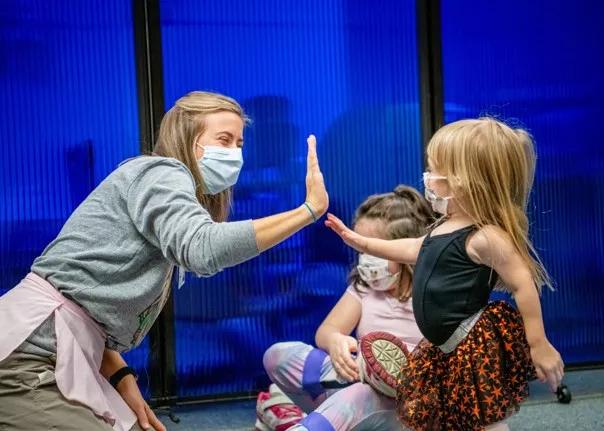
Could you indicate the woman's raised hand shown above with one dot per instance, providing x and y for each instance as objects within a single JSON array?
[{"x": 316, "y": 194}]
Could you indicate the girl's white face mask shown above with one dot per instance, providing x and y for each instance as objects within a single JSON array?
[
  {"x": 438, "y": 204},
  {"x": 374, "y": 271}
]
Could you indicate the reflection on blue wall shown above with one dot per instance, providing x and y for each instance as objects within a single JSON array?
[
  {"x": 345, "y": 71},
  {"x": 69, "y": 116},
  {"x": 541, "y": 67}
]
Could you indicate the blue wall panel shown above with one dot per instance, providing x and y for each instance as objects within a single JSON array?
[
  {"x": 69, "y": 116},
  {"x": 346, "y": 71},
  {"x": 539, "y": 65}
]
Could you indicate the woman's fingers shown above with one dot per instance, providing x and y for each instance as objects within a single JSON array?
[
  {"x": 316, "y": 194},
  {"x": 155, "y": 423},
  {"x": 312, "y": 161},
  {"x": 141, "y": 415}
]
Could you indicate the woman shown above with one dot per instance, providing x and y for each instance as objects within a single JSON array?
[{"x": 98, "y": 287}]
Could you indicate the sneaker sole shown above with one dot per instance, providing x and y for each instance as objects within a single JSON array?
[{"x": 381, "y": 358}]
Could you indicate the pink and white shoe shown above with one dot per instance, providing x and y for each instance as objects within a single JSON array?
[
  {"x": 380, "y": 360},
  {"x": 275, "y": 411}
]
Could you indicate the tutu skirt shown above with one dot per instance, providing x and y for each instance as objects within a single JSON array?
[{"x": 481, "y": 382}]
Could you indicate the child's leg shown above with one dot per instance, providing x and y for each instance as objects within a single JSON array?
[
  {"x": 298, "y": 369},
  {"x": 355, "y": 408},
  {"x": 499, "y": 426}
]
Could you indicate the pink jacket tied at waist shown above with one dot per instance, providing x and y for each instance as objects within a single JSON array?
[{"x": 80, "y": 346}]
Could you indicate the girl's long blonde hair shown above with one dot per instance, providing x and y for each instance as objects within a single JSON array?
[
  {"x": 490, "y": 169},
  {"x": 181, "y": 126}
]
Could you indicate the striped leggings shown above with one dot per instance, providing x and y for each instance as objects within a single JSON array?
[{"x": 301, "y": 371}]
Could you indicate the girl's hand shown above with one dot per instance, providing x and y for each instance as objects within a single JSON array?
[
  {"x": 340, "y": 348},
  {"x": 316, "y": 194},
  {"x": 548, "y": 364},
  {"x": 350, "y": 237}
]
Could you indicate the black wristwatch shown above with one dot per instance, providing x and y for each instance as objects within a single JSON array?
[{"x": 120, "y": 374}]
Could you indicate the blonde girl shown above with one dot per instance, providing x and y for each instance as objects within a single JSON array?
[{"x": 472, "y": 369}]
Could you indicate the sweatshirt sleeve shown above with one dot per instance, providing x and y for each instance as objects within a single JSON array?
[{"x": 162, "y": 204}]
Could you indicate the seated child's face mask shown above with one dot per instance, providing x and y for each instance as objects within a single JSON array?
[{"x": 374, "y": 271}]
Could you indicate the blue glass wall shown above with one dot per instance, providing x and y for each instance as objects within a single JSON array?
[
  {"x": 69, "y": 116},
  {"x": 345, "y": 71},
  {"x": 539, "y": 64}
]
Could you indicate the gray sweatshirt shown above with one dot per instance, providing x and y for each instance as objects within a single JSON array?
[{"x": 115, "y": 254}]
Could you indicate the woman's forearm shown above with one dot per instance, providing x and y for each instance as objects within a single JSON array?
[
  {"x": 272, "y": 230},
  {"x": 112, "y": 361}
]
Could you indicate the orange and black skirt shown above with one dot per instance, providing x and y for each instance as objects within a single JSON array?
[{"x": 481, "y": 382}]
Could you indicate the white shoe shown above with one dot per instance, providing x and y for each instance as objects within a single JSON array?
[{"x": 275, "y": 411}]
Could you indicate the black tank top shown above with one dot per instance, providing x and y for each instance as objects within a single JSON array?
[{"x": 448, "y": 287}]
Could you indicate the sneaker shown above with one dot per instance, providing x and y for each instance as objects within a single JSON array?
[
  {"x": 380, "y": 360},
  {"x": 275, "y": 411}
]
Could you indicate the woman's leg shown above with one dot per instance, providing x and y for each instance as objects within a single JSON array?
[{"x": 30, "y": 399}]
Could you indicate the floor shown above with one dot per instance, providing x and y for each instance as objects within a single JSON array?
[{"x": 540, "y": 412}]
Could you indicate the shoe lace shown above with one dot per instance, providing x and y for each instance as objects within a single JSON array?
[{"x": 286, "y": 410}]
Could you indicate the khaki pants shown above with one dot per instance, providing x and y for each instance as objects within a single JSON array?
[{"x": 31, "y": 401}]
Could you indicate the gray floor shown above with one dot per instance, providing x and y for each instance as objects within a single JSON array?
[{"x": 540, "y": 412}]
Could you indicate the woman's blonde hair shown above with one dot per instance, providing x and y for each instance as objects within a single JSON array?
[
  {"x": 181, "y": 126},
  {"x": 490, "y": 168},
  {"x": 405, "y": 214}
]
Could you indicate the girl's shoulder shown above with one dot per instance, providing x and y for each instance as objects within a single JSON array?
[
  {"x": 488, "y": 242},
  {"x": 358, "y": 290}
]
